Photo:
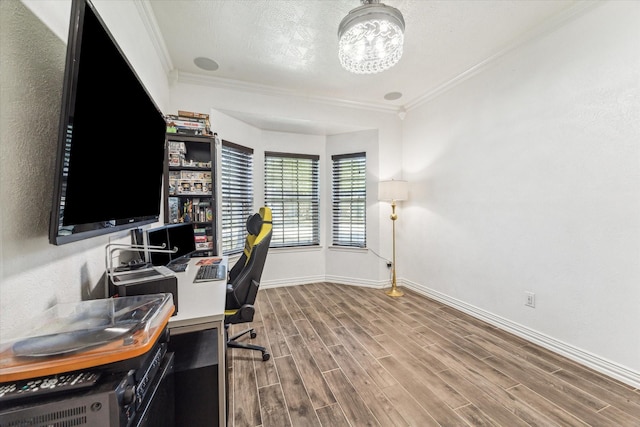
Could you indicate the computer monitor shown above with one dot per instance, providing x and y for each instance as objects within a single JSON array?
[{"x": 174, "y": 236}]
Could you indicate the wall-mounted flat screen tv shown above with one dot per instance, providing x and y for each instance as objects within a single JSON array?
[{"x": 111, "y": 138}]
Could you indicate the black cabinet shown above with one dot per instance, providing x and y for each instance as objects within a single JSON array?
[
  {"x": 196, "y": 378},
  {"x": 190, "y": 188}
]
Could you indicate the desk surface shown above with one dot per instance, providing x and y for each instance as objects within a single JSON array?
[{"x": 199, "y": 303}]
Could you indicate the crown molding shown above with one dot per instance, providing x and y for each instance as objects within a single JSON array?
[
  {"x": 151, "y": 26},
  {"x": 217, "y": 82}
]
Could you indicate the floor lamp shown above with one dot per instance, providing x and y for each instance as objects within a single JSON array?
[{"x": 393, "y": 191}]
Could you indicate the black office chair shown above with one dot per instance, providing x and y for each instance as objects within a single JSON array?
[{"x": 244, "y": 279}]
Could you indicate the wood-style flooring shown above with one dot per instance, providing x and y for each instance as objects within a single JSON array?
[{"x": 351, "y": 356}]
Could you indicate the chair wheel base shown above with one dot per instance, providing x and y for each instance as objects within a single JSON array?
[{"x": 232, "y": 343}]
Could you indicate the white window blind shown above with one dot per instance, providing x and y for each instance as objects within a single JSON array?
[
  {"x": 291, "y": 191},
  {"x": 349, "y": 200},
  {"x": 237, "y": 195}
]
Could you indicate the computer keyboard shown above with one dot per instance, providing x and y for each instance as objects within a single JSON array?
[{"x": 210, "y": 272}]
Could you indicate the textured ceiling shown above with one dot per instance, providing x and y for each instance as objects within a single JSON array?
[{"x": 291, "y": 45}]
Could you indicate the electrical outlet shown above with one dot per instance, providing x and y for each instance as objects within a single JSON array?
[{"x": 531, "y": 299}]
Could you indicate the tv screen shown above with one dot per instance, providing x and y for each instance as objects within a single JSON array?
[
  {"x": 177, "y": 237},
  {"x": 111, "y": 139}
]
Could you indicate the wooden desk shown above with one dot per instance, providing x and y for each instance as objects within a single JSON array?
[{"x": 201, "y": 309}]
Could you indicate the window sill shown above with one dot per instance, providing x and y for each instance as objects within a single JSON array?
[
  {"x": 314, "y": 248},
  {"x": 347, "y": 249}
]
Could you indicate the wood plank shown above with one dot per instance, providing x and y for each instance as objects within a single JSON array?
[
  {"x": 271, "y": 403},
  {"x": 614, "y": 399},
  {"x": 553, "y": 389},
  {"x": 360, "y": 334},
  {"x": 373, "y": 397},
  {"x": 434, "y": 405},
  {"x": 297, "y": 292},
  {"x": 354, "y": 408},
  {"x": 494, "y": 408},
  {"x": 619, "y": 417},
  {"x": 325, "y": 309},
  {"x": 320, "y": 352},
  {"x": 362, "y": 319},
  {"x": 231, "y": 388},
  {"x": 459, "y": 340},
  {"x": 266, "y": 373},
  {"x": 368, "y": 362},
  {"x": 544, "y": 406},
  {"x": 291, "y": 305},
  {"x": 314, "y": 382},
  {"x": 410, "y": 409},
  {"x": 453, "y": 356},
  {"x": 277, "y": 341},
  {"x": 282, "y": 314},
  {"x": 328, "y": 294},
  {"x": 610, "y": 385},
  {"x": 496, "y": 347},
  {"x": 324, "y": 332},
  {"x": 401, "y": 345},
  {"x": 425, "y": 372},
  {"x": 332, "y": 416},
  {"x": 299, "y": 404},
  {"x": 246, "y": 404},
  {"x": 475, "y": 417}
]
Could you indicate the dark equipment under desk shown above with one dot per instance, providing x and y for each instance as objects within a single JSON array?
[
  {"x": 197, "y": 339},
  {"x": 196, "y": 378}
]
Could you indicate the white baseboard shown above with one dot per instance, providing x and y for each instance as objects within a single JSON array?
[
  {"x": 593, "y": 361},
  {"x": 266, "y": 284},
  {"x": 333, "y": 279}
]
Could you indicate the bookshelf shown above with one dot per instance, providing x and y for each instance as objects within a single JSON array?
[{"x": 190, "y": 187}]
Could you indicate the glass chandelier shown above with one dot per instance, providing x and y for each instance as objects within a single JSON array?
[{"x": 371, "y": 38}]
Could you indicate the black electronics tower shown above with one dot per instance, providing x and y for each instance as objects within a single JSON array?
[{"x": 196, "y": 378}]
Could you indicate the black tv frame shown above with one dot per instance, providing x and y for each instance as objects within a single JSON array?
[{"x": 146, "y": 212}]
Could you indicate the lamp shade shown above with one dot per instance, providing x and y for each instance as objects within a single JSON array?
[{"x": 393, "y": 190}]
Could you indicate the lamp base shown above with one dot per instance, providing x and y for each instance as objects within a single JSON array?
[{"x": 394, "y": 292}]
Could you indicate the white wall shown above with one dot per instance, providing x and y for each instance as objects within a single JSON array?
[
  {"x": 35, "y": 275},
  {"x": 526, "y": 178}
]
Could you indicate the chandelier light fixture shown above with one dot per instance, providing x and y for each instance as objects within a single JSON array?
[{"x": 371, "y": 38}]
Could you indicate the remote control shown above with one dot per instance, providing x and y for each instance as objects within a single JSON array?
[{"x": 47, "y": 385}]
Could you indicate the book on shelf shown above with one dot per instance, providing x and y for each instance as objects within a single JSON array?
[
  {"x": 204, "y": 245},
  {"x": 191, "y": 114},
  {"x": 190, "y": 125},
  {"x": 172, "y": 118}
]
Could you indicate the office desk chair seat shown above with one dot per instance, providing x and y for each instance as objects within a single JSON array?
[{"x": 244, "y": 279}]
